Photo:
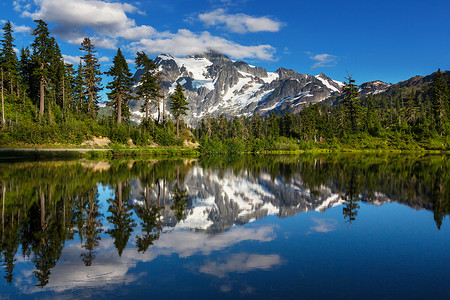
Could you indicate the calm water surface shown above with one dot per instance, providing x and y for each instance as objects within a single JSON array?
[{"x": 253, "y": 227}]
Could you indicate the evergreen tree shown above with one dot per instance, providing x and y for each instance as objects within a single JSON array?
[
  {"x": 68, "y": 87},
  {"x": 91, "y": 76},
  {"x": 370, "y": 122},
  {"x": 178, "y": 104},
  {"x": 148, "y": 88},
  {"x": 350, "y": 100},
  {"x": 8, "y": 58},
  {"x": 56, "y": 74},
  {"x": 42, "y": 46},
  {"x": 440, "y": 102},
  {"x": 79, "y": 90},
  {"x": 120, "y": 86},
  {"x": 411, "y": 110},
  {"x": 25, "y": 69}
]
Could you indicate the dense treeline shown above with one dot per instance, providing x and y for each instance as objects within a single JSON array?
[
  {"x": 403, "y": 118},
  {"x": 46, "y": 100}
]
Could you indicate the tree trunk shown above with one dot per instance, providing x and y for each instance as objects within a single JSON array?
[
  {"x": 3, "y": 106},
  {"x": 42, "y": 94},
  {"x": 164, "y": 104},
  {"x": 178, "y": 122},
  {"x": 119, "y": 109},
  {"x": 159, "y": 111},
  {"x": 146, "y": 109}
]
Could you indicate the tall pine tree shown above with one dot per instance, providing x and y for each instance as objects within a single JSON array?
[
  {"x": 351, "y": 102},
  {"x": 42, "y": 46},
  {"x": 440, "y": 100},
  {"x": 148, "y": 88},
  {"x": 120, "y": 86},
  {"x": 8, "y": 58},
  {"x": 91, "y": 76},
  {"x": 178, "y": 104}
]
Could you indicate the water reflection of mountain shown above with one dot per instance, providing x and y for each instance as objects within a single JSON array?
[
  {"x": 222, "y": 198},
  {"x": 47, "y": 204}
]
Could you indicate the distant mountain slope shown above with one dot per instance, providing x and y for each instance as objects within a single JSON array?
[
  {"x": 217, "y": 85},
  {"x": 416, "y": 82}
]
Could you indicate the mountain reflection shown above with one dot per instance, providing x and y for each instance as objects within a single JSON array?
[{"x": 188, "y": 207}]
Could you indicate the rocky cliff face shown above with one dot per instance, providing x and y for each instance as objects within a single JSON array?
[{"x": 217, "y": 85}]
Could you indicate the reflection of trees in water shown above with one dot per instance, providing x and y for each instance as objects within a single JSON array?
[
  {"x": 91, "y": 227},
  {"x": 351, "y": 197},
  {"x": 45, "y": 204},
  {"x": 417, "y": 181},
  {"x": 179, "y": 202},
  {"x": 120, "y": 217},
  {"x": 10, "y": 239},
  {"x": 151, "y": 216},
  {"x": 439, "y": 192},
  {"x": 49, "y": 236}
]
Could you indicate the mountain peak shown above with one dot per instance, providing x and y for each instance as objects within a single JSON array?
[{"x": 217, "y": 85}]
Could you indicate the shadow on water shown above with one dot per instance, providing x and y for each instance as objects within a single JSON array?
[{"x": 46, "y": 204}]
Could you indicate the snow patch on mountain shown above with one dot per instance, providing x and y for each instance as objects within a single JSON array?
[{"x": 328, "y": 85}]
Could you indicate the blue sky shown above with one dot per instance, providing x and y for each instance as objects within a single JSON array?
[{"x": 386, "y": 40}]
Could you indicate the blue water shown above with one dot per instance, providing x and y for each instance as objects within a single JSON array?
[{"x": 390, "y": 251}]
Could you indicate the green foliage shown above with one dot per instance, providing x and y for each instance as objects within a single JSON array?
[
  {"x": 121, "y": 87},
  {"x": 149, "y": 83},
  {"x": 90, "y": 74},
  {"x": 351, "y": 102},
  {"x": 178, "y": 104},
  {"x": 120, "y": 134}
]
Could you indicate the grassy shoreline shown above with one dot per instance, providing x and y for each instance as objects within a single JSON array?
[{"x": 71, "y": 151}]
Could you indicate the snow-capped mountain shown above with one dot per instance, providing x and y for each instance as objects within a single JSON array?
[
  {"x": 217, "y": 85},
  {"x": 373, "y": 87}
]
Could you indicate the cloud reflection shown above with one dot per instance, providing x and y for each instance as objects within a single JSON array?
[
  {"x": 241, "y": 263},
  {"x": 110, "y": 269},
  {"x": 323, "y": 225}
]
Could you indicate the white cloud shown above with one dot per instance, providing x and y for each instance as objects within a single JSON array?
[
  {"x": 105, "y": 18},
  {"x": 108, "y": 25},
  {"x": 18, "y": 28},
  {"x": 185, "y": 42},
  {"x": 19, "y": 5},
  {"x": 75, "y": 60},
  {"x": 323, "y": 60},
  {"x": 104, "y": 59},
  {"x": 241, "y": 263},
  {"x": 21, "y": 28},
  {"x": 239, "y": 23}
]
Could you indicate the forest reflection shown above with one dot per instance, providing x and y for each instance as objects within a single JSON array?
[{"x": 47, "y": 204}]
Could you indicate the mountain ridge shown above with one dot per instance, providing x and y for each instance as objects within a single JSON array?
[{"x": 217, "y": 85}]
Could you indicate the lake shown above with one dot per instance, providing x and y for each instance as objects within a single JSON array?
[{"x": 309, "y": 226}]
